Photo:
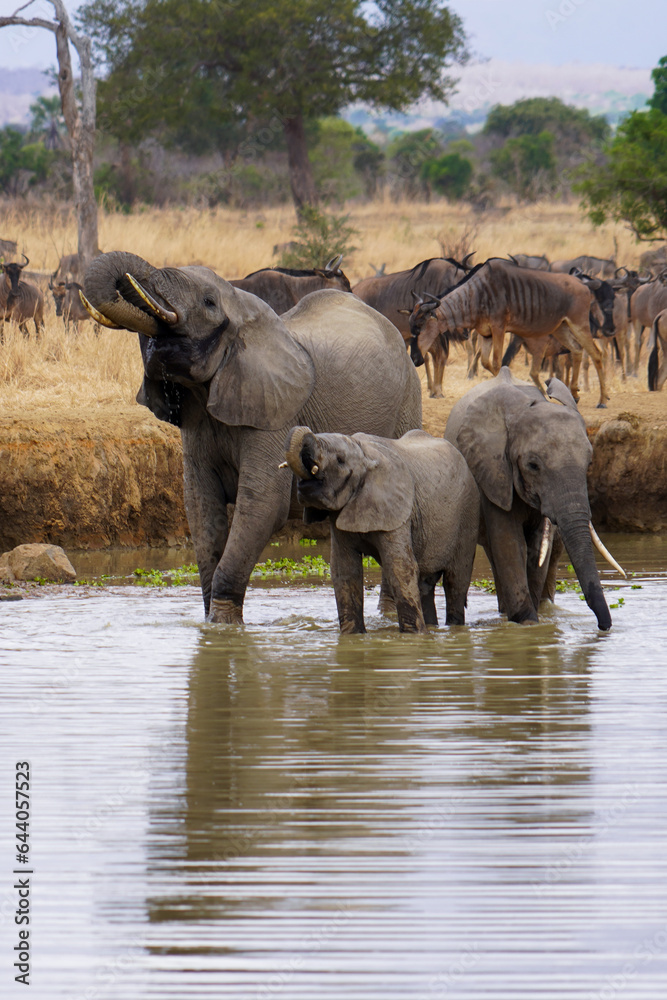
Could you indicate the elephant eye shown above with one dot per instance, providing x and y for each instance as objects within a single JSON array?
[
  {"x": 340, "y": 459},
  {"x": 533, "y": 466},
  {"x": 209, "y": 302}
]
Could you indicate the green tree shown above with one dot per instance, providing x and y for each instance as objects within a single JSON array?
[
  {"x": 22, "y": 163},
  {"x": 630, "y": 185},
  {"x": 408, "y": 153},
  {"x": 47, "y": 122},
  {"x": 450, "y": 174},
  {"x": 277, "y": 61},
  {"x": 572, "y": 127},
  {"x": 527, "y": 164},
  {"x": 659, "y": 76}
]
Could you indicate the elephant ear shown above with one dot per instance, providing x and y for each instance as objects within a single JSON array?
[
  {"x": 483, "y": 442},
  {"x": 558, "y": 390},
  {"x": 386, "y": 495},
  {"x": 164, "y": 399},
  {"x": 265, "y": 377}
]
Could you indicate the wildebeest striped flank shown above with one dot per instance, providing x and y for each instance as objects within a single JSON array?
[{"x": 497, "y": 296}]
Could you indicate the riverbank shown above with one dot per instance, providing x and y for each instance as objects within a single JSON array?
[{"x": 112, "y": 476}]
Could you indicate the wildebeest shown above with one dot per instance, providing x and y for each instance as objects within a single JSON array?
[
  {"x": 69, "y": 305},
  {"x": 538, "y": 263},
  {"x": 283, "y": 287},
  {"x": 646, "y": 302},
  {"x": 496, "y": 296},
  {"x": 657, "y": 368},
  {"x": 595, "y": 266},
  {"x": 601, "y": 319},
  {"x": 8, "y": 248},
  {"x": 20, "y": 301},
  {"x": 394, "y": 294}
]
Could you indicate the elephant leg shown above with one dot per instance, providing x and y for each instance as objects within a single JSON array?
[
  {"x": 347, "y": 575},
  {"x": 456, "y": 583},
  {"x": 206, "y": 508},
  {"x": 400, "y": 567},
  {"x": 259, "y": 511},
  {"x": 427, "y": 586},
  {"x": 386, "y": 603},
  {"x": 507, "y": 551}
]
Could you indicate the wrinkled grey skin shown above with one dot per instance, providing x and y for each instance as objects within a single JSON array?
[
  {"x": 235, "y": 377},
  {"x": 529, "y": 458},
  {"x": 411, "y": 503}
]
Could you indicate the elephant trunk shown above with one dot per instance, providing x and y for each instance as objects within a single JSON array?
[
  {"x": 299, "y": 452},
  {"x": 115, "y": 297},
  {"x": 576, "y": 536}
]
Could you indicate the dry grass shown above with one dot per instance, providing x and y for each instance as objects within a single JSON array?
[{"x": 62, "y": 372}]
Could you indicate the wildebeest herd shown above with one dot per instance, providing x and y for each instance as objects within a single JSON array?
[{"x": 295, "y": 395}]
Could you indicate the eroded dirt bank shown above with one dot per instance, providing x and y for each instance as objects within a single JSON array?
[
  {"x": 91, "y": 481},
  {"x": 114, "y": 477}
]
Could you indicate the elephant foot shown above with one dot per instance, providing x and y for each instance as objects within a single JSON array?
[{"x": 225, "y": 612}]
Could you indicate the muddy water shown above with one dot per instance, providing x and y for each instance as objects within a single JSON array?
[{"x": 279, "y": 811}]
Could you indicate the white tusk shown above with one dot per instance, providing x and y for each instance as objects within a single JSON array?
[
  {"x": 605, "y": 552},
  {"x": 283, "y": 465},
  {"x": 96, "y": 314},
  {"x": 315, "y": 469},
  {"x": 546, "y": 538}
]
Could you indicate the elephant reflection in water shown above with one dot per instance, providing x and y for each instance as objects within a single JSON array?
[{"x": 293, "y": 745}]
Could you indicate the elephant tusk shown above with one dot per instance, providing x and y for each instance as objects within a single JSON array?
[
  {"x": 166, "y": 315},
  {"x": 546, "y": 538},
  {"x": 605, "y": 552},
  {"x": 315, "y": 469},
  {"x": 96, "y": 314},
  {"x": 283, "y": 465}
]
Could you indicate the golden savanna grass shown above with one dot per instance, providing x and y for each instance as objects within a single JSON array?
[{"x": 60, "y": 372}]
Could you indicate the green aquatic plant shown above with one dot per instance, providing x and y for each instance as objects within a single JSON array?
[
  {"x": 289, "y": 568},
  {"x": 180, "y": 577}
]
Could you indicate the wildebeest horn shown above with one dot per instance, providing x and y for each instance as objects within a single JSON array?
[
  {"x": 418, "y": 299},
  {"x": 293, "y": 448},
  {"x": 602, "y": 549},
  {"x": 96, "y": 314},
  {"x": 166, "y": 315},
  {"x": 513, "y": 259},
  {"x": 432, "y": 298},
  {"x": 334, "y": 263},
  {"x": 464, "y": 262},
  {"x": 26, "y": 261},
  {"x": 618, "y": 270}
]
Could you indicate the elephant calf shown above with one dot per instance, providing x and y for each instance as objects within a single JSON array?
[{"x": 412, "y": 503}]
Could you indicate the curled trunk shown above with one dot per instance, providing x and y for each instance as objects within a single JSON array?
[
  {"x": 110, "y": 291},
  {"x": 298, "y": 449}
]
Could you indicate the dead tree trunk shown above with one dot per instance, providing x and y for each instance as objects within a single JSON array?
[{"x": 80, "y": 121}]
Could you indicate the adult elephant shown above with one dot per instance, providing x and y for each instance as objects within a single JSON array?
[
  {"x": 529, "y": 459},
  {"x": 221, "y": 365}
]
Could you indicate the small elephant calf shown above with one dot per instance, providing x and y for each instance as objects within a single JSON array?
[{"x": 411, "y": 503}]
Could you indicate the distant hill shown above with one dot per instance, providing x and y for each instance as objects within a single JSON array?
[
  {"x": 19, "y": 88},
  {"x": 605, "y": 90}
]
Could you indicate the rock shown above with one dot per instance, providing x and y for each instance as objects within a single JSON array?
[{"x": 36, "y": 561}]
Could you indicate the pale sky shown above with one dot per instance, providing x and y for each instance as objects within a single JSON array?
[{"x": 551, "y": 32}]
